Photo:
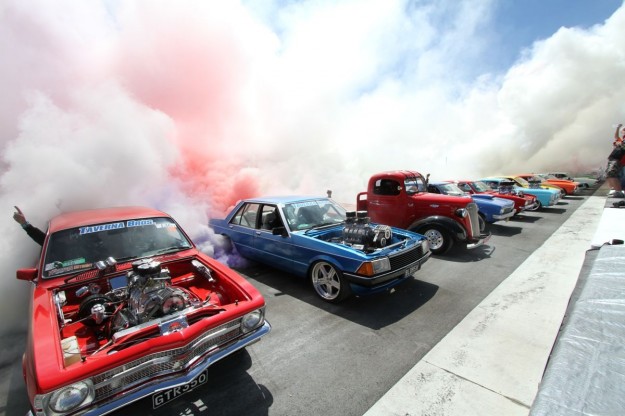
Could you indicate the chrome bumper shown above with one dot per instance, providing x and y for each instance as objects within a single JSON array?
[
  {"x": 483, "y": 240},
  {"x": 530, "y": 206},
  {"x": 148, "y": 389},
  {"x": 504, "y": 216}
]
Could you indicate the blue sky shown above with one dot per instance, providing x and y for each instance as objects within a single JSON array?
[{"x": 518, "y": 23}]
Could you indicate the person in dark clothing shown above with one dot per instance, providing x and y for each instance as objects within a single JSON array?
[
  {"x": 616, "y": 161},
  {"x": 33, "y": 232}
]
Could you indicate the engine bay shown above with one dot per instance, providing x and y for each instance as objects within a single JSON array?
[
  {"x": 360, "y": 234},
  {"x": 121, "y": 306}
]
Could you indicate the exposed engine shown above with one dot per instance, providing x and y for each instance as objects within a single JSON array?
[
  {"x": 148, "y": 294},
  {"x": 360, "y": 233},
  {"x": 508, "y": 188}
]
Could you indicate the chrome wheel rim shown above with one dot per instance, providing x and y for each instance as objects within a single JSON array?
[
  {"x": 435, "y": 238},
  {"x": 326, "y": 280}
]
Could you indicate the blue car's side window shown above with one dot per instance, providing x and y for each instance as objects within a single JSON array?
[
  {"x": 246, "y": 216},
  {"x": 270, "y": 218}
]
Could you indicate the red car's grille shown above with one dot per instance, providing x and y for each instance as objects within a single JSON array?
[
  {"x": 473, "y": 216},
  {"x": 162, "y": 364}
]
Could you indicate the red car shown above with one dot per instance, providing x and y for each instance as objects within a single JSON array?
[
  {"x": 125, "y": 307},
  {"x": 522, "y": 201}
]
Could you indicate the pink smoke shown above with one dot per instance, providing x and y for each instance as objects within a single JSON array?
[{"x": 192, "y": 71}]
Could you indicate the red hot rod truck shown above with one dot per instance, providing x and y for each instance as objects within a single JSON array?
[{"x": 400, "y": 199}]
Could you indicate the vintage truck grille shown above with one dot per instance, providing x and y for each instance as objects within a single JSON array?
[
  {"x": 508, "y": 209},
  {"x": 408, "y": 257},
  {"x": 473, "y": 216},
  {"x": 162, "y": 363}
]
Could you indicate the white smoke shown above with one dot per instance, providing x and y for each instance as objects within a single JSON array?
[{"x": 187, "y": 106}]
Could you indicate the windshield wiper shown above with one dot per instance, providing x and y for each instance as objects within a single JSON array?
[
  {"x": 322, "y": 225},
  {"x": 171, "y": 249}
]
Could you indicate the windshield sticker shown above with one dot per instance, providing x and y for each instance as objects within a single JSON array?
[
  {"x": 165, "y": 225},
  {"x": 53, "y": 271},
  {"x": 115, "y": 225},
  {"x": 304, "y": 204},
  {"x": 102, "y": 227},
  {"x": 66, "y": 263},
  {"x": 139, "y": 223}
]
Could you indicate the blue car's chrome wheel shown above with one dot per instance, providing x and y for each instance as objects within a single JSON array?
[{"x": 329, "y": 282}]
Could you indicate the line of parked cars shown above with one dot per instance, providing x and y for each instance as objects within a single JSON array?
[{"x": 125, "y": 307}]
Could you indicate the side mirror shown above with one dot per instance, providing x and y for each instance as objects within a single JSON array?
[
  {"x": 280, "y": 231},
  {"x": 26, "y": 274}
]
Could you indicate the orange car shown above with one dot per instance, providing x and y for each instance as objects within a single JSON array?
[{"x": 568, "y": 187}]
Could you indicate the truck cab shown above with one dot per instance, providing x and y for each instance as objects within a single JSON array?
[{"x": 400, "y": 199}]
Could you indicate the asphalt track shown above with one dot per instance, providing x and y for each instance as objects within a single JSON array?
[
  {"x": 469, "y": 335},
  {"x": 493, "y": 361}
]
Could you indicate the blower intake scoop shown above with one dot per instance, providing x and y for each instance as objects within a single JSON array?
[{"x": 360, "y": 233}]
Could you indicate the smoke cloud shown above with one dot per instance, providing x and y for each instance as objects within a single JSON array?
[{"x": 190, "y": 106}]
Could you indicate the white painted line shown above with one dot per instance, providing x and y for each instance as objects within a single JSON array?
[{"x": 492, "y": 362}]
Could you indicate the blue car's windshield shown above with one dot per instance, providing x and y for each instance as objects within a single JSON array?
[
  {"x": 450, "y": 189},
  {"x": 481, "y": 186},
  {"x": 76, "y": 249},
  {"x": 304, "y": 215}
]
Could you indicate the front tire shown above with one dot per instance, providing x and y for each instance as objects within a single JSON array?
[
  {"x": 440, "y": 240},
  {"x": 329, "y": 283},
  {"x": 482, "y": 223},
  {"x": 537, "y": 207}
]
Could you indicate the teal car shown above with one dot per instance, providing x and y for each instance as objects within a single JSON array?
[{"x": 544, "y": 197}]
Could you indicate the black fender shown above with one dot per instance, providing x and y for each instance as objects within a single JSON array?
[{"x": 454, "y": 228}]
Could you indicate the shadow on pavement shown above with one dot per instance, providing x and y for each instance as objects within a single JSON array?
[
  {"x": 374, "y": 311},
  {"x": 528, "y": 217},
  {"x": 460, "y": 254},
  {"x": 227, "y": 379},
  {"x": 13, "y": 396},
  {"x": 552, "y": 210},
  {"x": 504, "y": 229}
]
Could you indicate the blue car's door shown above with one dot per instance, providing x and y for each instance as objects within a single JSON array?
[
  {"x": 243, "y": 229},
  {"x": 275, "y": 250}
]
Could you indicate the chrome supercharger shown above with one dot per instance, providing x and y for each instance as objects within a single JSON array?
[{"x": 360, "y": 233}]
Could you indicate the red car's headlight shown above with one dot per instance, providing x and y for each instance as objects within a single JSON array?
[
  {"x": 252, "y": 321},
  {"x": 69, "y": 398}
]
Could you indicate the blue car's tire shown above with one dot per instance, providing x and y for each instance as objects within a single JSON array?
[{"x": 328, "y": 282}]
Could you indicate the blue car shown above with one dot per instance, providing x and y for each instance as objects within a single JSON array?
[
  {"x": 544, "y": 197},
  {"x": 342, "y": 253},
  {"x": 490, "y": 208}
]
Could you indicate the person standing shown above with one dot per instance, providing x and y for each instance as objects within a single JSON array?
[{"x": 616, "y": 160}]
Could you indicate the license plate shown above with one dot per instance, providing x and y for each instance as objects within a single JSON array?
[
  {"x": 165, "y": 396},
  {"x": 411, "y": 271}
]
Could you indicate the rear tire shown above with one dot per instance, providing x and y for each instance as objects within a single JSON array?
[{"x": 440, "y": 241}]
